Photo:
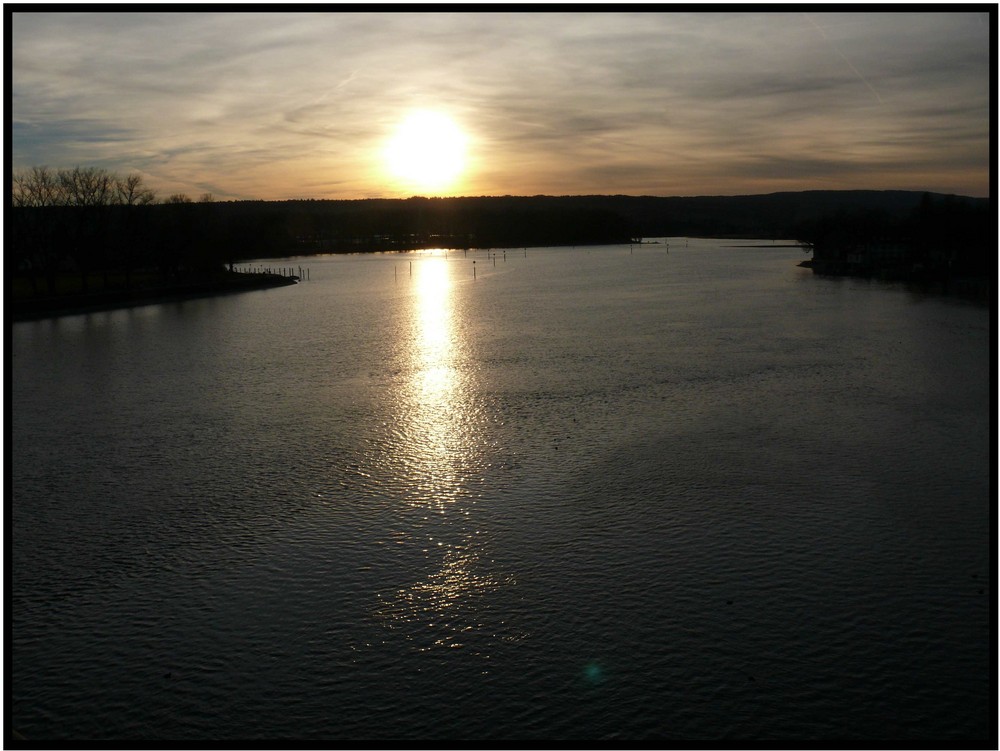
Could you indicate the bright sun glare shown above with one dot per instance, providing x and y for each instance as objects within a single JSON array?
[{"x": 427, "y": 152}]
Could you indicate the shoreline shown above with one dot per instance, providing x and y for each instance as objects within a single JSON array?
[
  {"x": 971, "y": 289},
  {"x": 37, "y": 308}
]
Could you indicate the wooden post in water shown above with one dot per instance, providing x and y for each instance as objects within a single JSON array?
[{"x": 473, "y": 269}]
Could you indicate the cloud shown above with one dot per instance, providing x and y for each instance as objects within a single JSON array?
[{"x": 272, "y": 104}]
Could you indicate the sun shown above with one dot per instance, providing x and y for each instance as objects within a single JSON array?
[{"x": 427, "y": 152}]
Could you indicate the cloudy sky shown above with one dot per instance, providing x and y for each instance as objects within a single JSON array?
[{"x": 301, "y": 105}]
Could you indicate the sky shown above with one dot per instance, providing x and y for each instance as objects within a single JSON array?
[{"x": 303, "y": 105}]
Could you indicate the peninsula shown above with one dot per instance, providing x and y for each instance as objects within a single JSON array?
[{"x": 26, "y": 306}]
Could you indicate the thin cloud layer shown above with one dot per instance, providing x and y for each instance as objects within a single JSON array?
[{"x": 272, "y": 106}]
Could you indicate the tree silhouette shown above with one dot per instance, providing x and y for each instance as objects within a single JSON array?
[{"x": 36, "y": 248}]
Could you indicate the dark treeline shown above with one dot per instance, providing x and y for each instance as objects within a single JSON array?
[
  {"x": 488, "y": 222},
  {"x": 944, "y": 241},
  {"x": 106, "y": 230},
  {"x": 98, "y": 226},
  {"x": 330, "y": 226}
]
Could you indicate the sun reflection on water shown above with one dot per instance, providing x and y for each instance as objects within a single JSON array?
[
  {"x": 434, "y": 409},
  {"x": 440, "y": 434},
  {"x": 445, "y": 609},
  {"x": 434, "y": 314}
]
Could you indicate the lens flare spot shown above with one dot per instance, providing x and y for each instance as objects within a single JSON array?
[{"x": 594, "y": 673}]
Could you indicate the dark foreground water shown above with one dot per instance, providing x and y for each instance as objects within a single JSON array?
[{"x": 585, "y": 494}]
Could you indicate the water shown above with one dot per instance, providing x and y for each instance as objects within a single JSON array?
[{"x": 585, "y": 494}]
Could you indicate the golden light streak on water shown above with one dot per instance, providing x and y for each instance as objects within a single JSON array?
[{"x": 438, "y": 433}]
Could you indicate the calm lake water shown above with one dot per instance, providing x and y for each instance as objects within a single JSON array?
[{"x": 586, "y": 494}]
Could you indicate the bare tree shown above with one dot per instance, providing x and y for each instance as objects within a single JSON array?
[
  {"x": 82, "y": 216},
  {"x": 131, "y": 191},
  {"x": 38, "y": 186},
  {"x": 36, "y": 249},
  {"x": 87, "y": 186},
  {"x": 89, "y": 190}
]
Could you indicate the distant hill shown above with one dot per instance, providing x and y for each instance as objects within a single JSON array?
[
  {"x": 516, "y": 220},
  {"x": 769, "y": 215}
]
